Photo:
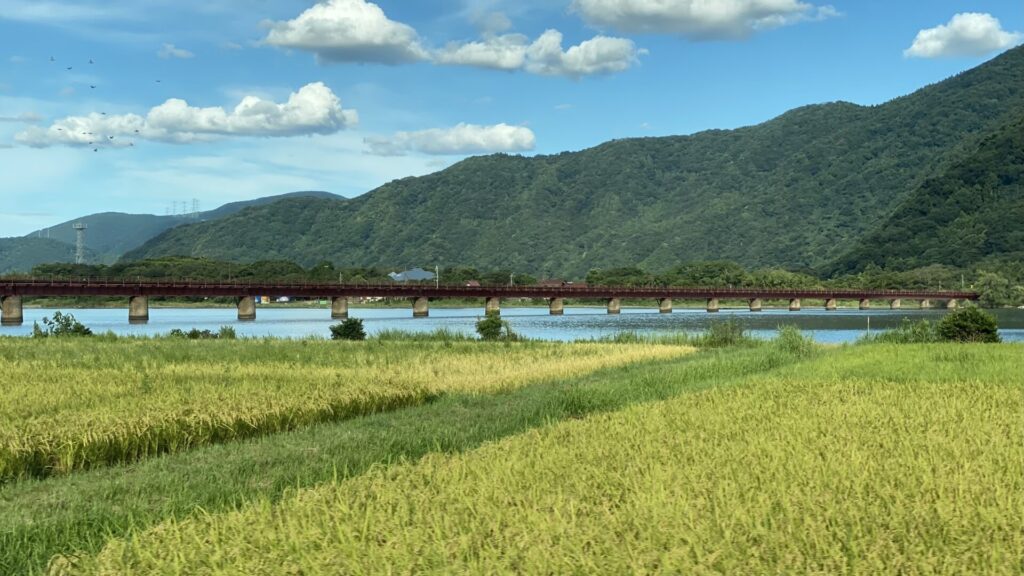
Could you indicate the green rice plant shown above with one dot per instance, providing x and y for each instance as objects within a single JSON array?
[
  {"x": 866, "y": 460},
  {"x": 72, "y": 404}
]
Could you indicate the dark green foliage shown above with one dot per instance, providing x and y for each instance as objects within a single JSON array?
[
  {"x": 225, "y": 333},
  {"x": 61, "y": 326},
  {"x": 969, "y": 325},
  {"x": 723, "y": 334},
  {"x": 492, "y": 328},
  {"x": 794, "y": 192},
  {"x": 909, "y": 332},
  {"x": 351, "y": 329},
  {"x": 22, "y": 254}
]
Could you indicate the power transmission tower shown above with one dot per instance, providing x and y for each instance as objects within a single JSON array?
[{"x": 80, "y": 229}]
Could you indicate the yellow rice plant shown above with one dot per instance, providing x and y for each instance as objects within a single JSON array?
[
  {"x": 70, "y": 405},
  {"x": 872, "y": 460}
]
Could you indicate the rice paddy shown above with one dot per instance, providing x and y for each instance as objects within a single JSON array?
[
  {"x": 71, "y": 405},
  {"x": 446, "y": 456}
]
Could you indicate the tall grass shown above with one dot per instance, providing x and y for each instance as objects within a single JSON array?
[
  {"x": 867, "y": 460},
  {"x": 71, "y": 405}
]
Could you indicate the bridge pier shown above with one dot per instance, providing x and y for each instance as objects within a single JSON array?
[
  {"x": 896, "y": 304},
  {"x": 556, "y": 306},
  {"x": 865, "y": 304},
  {"x": 420, "y": 307},
  {"x": 756, "y": 305},
  {"x": 831, "y": 305},
  {"x": 794, "y": 305},
  {"x": 246, "y": 309},
  {"x": 712, "y": 305},
  {"x": 926, "y": 304},
  {"x": 614, "y": 306},
  {"x": 339, "y": 308},
  {"x": 952, "y": 304},
  {"x": 493, "y": 306},
  {"x": 138, "y": 310},
  {"x": 11, "y": 311},
  {"x": 665, "y": 305}
]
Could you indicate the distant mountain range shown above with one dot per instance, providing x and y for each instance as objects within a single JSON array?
[
  {"x": 800, "y": 191},
  {"x": 929, "y": 178},
  {"x": 111, "y": 234}
]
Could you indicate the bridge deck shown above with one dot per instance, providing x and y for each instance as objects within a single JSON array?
[{"x": 311, "y": 290}]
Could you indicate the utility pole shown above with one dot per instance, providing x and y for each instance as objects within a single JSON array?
[
  {"x": 437, "y": 276},
  {"x": 512, "y": 279}
]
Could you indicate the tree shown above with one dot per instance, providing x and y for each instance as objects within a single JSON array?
[
  {"x": 61, "y": 326},
  {"x": 351, "y": 329},
  {"x": 969, "y": 325}
]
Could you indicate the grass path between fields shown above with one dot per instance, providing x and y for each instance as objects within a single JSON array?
[{"x": 40, "y": 518}]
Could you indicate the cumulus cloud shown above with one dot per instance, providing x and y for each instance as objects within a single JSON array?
[
  {"x": 314, "y": 109},
  {"x": 967, "y": 34},
  {"x": 599, "y": 55},
  {"x": 349, "y": 31},
  {"x": 461, "y": 139},
  {"x": 698, "y": 19},
  {"x": 171, "y": 51}
]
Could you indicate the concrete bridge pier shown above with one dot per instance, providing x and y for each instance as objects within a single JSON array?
[
  {"x": 713, "y": 305},
  {"x": 896, "y": 304},
  {"x": 420, "y": 307},
  {"x": 556, "y": 306},
  {"x": 138, "y": 310},
  {"x": 246, "y": 309},
  {"x": 614, "y": 306},
  {"x": 794, "y": 305},
  {"x": 926, "y": 304},
  {"x": 865, "y": 304},
  {"x": 831, "y": 305},
  {"x": 952, "y": 304},
  {"x": 493, "y": 306},
  {"x": 11, "y": 311},
  {"x": 756, "y": 305},
  {"x": 339, "y": 308},
  {"x": 665, "y": 305}
]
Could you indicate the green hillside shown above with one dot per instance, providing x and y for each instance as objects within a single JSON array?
[
  {"x": 23, "y": 254},
  {"x": 797, "y": 191},
  {"x": 111, "y": 234},
  {"x": 971, "y": 213}
]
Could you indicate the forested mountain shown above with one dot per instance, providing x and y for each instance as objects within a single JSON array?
[
  {"x": 111, "y": 234},
  {"x": 972, "y": 212},
  {"x": 23, "y": 254},
  {"x": 797, "y": 191}
]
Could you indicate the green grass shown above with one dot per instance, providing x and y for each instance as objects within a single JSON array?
[
  {"x": 73, "y": 404},
  {"x": 40, "y": 518},
  {"x": 869, "y": 459}
]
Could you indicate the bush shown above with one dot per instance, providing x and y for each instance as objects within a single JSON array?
[
  {"x": 723, "y": 334},
  {"x": 792, "y": 341},
  {"x": 61, "y": 326},
  {"x": 351, "y": 329},
  {"x": 969, "y": 325},
  {"x": 227, "y": 333},
  {"x": 492, "y": 329}
]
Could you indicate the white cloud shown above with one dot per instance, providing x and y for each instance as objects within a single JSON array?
[
  {"x": 967, "y": 34},
  {"x": 349, "y": 31},
  {"x": 314, "y": 109},
  {"x": 698, "y": 19},
  {"x": 599, "y": 55},
  {"x": 172, "y": 51},
  {"x": 461, "y": 139}
]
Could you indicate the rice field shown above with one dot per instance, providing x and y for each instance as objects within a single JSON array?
[
  {"x": 69, "y": 405},
  {"x": 868, "y": 459}
]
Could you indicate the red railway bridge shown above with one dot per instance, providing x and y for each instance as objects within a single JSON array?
[{"x": 138, "y": 293}]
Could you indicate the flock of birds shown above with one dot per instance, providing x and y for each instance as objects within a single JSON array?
[{"x": 53, "y": 60}]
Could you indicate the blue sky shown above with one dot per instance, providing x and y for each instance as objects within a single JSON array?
[{"x": 392, "y": 89}]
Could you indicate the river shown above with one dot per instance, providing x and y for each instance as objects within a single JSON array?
[{"x": 577, "y": 323}]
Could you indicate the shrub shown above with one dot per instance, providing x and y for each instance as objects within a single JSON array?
[
  {"x": 351, "y": 329},
  {"x": 492, "y": 329},
  {"x": 922, "y": 332},
  {"x": 61, "y": 326},
  {"x": 723, "y": 334},
  {"x": 792, "y": 341},
  {"x": 227, "y": 333},
  {"x": 969, "y": 325}
]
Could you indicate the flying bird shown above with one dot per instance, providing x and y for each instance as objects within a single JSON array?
[
  {"x": 157, "y": 81},
  {"x": 90, "y": 61},
  {"x": 69, "y": 67},
  {"x": 91, "y": 86},
  {"x": 52, "y": 59}
]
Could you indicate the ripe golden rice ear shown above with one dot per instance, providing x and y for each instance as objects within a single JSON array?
[
  {"x": 870, "y": 459},
  {"x": 70, "y": 405}
]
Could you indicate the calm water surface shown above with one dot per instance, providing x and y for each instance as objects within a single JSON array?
[{"x": 576, "y": 324}]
